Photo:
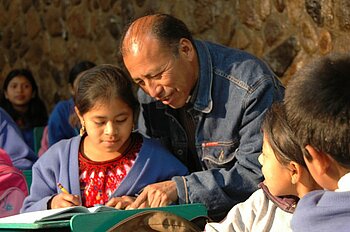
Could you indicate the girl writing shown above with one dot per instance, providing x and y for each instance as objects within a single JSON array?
[
  {"x": 107, "y": 160},
  {"x": 286, "y": 180},
  {"x": 20, "y": 99}
]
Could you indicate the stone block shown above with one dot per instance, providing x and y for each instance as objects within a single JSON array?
[
  {"x": 282, "y": 56},
  {"x": 52, "y": 22},
  {"x": 33, "y": 24},
  {"x": 77, "y": 23}
]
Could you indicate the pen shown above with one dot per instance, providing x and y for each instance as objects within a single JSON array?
[{"x": 62, "y": 188}]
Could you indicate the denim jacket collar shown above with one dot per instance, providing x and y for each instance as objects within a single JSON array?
[{"x": 204, "y": 100}]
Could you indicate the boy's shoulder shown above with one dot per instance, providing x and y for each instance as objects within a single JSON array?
[
  {"x": 323, "y": 199},
  {"x": 322, "y": 210}
]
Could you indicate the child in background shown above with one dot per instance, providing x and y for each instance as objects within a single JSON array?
[
  {"x": 59, "y": 126},
  {"x": 12, "y": 142},
  {"x": 21, "y": 101},
  {"x": 318, "y": 110},
  {"x": 286, "y": 180},
  {"x": 108, "y": 160}
]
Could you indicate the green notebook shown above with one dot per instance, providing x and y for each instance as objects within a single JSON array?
[
  {"x": 38, "y": 219},
  {"x": 106, "y": 220},
  {"x": 80, "y": 218}
]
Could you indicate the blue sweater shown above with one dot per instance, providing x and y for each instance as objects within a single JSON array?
[
  {"x": 323, "y": 211},
  {"x": 12, "y": 142},
  {"x": 60, "y": 163},
  {"x": 58, "y": 125}
]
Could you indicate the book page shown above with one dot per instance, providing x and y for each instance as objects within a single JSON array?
[
  {"x": 54, "y": 214},
  {"x": 101, "y": 208},
  {"x": 45, "y": 215}
]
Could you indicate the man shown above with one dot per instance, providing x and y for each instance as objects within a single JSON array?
[{"x": 205, "y": 102}]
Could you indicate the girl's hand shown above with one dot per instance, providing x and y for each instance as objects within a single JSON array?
[
  {"x": 64, "y": 200},
  {"x": 120, "y": 202}
]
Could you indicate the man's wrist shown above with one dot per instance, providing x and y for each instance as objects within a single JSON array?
[{"x": 182, "y": 191}]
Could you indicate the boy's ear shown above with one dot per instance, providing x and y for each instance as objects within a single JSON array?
[{"x": 320, "y": 161}]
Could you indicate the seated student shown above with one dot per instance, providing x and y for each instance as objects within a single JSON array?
[
  {"x": 44, "y": 143},
  {"x": 12, "y": 142},
  {"x": 108, "y": 160},
  {"x": 318, "y": 110},
  {"x": 59, "y": 126},
  {"x": 286, "y": 179},
  {"x": 21, "y": 100}
]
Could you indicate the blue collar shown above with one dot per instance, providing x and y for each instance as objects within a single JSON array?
[{"x": 203, "y": 100}]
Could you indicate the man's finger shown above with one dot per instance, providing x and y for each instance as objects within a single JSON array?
[{"x": 139, "y": 200}]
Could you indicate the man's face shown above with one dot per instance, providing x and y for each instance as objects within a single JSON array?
[{"x": 164, "y": 76}]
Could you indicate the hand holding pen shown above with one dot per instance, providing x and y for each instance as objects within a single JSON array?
[{"x": 63, "y": 199}]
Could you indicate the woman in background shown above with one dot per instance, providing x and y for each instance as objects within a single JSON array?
[
  {"x": 12, "y": 142},
  {"x": 21, "y": 101}
]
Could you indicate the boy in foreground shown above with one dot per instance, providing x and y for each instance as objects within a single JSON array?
[{"x": 318, "y": 110}]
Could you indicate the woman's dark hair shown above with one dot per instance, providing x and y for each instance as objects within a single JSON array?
[
  {"x": 102, "y": 83},
  {"x": 280, "y": 136},
  {"x": 78, "y": 68},
  {"x": 37, "y": 114}
]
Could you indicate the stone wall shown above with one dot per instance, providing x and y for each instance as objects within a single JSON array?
[{"x": 49, "y": 36}]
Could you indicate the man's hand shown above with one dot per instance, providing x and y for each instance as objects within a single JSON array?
[
  {"x": 120, "y": 202},
  {"x": 156, "y": 195}
]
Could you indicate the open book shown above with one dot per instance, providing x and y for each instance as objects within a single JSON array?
[
  {"x": 80, "y": 218},
  {"x": 53, "y": 214}
]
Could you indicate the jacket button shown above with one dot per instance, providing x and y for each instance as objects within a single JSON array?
[{"x": 180, "y": 152}]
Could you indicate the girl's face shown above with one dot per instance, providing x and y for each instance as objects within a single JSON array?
[
  {"x": 19, "y": 91},
  {"x": 108, "y": 126},
  {"x": 277, "y": 176}
]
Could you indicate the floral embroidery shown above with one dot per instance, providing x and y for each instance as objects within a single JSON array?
[{"x": 98, "y": 180}]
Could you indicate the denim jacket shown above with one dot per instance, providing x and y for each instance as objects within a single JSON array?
[{"x": 234, "y": 91}]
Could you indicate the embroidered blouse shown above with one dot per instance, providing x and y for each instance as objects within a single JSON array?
[{"x": 98, "y": 180}]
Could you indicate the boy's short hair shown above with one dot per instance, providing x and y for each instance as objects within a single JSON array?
[{"x": 318, "y": 106}]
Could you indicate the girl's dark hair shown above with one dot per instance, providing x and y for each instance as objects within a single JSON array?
[
  {"x": 280, "y": 136},
  {"x": 37, "y": 114},
  {"x": 102, "y": 83},
  {"x": 78, "y": 68}
]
